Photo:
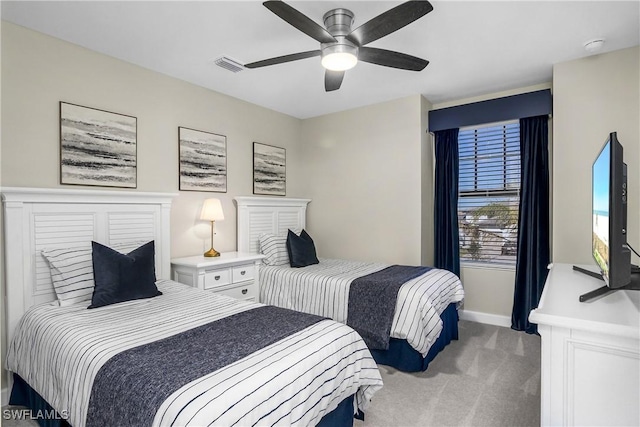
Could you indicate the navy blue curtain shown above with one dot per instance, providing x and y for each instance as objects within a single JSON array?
[
  {"x": 447, "y": 251},
  {"x": 533, "y": 221}
]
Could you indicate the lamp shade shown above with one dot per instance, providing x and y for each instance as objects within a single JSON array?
[{"x": 212, "y": 210}]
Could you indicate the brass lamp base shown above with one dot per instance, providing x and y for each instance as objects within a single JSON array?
[{"x": 211, "y": 253}]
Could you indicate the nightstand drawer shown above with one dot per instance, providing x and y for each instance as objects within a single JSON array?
[
  {"x": 248, "y": 292},
  {"x": 242, "y": 273},
  {"x": 234, "y": 274},
  {"x": 215, "y": 278}
]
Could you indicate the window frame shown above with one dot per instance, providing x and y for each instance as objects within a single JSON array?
[{"x": 480, "y": 192}]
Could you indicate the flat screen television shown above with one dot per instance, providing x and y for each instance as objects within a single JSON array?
[{"x": 609, "y": 219}]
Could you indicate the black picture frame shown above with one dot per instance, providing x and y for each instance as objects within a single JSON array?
[
  {"x": 97, "y": 147},
  {"x": 269, "y": 170},
  {"x": 202, "y": 158}
]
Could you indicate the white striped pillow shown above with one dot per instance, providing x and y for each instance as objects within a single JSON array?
[
  {"x": 72, "y": 271},
  {"x": 274, "y": 248}
]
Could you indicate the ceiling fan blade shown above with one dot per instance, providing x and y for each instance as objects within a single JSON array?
[
  {"x": 332, "y": 80},
  {"x": 300, "y": 21},
  {"x": 389, "y": 21},
  {"x": 389, "y": 58},
  {"x": 284, "y": 58}
]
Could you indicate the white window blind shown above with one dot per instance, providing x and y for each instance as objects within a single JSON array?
[{"x": 489, "y": 193}]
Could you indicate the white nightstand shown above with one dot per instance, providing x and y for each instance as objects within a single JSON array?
[{"x": 234, "y": 274}]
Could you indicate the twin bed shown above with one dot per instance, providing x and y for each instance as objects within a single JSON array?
[
  {"x": 425, "y": 318},
  {"x": 185, "y": 357},
  {"x": 192, "y": 358}
]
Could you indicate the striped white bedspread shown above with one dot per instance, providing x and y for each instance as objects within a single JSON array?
[
  {"x": 59, "y": 350},
  {"x": 323, "y": 289}
]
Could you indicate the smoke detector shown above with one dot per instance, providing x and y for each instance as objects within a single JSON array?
[{"x": 595, "y": 45}]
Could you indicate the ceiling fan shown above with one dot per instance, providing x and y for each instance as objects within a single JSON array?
[{"x": 341, "y": 48}]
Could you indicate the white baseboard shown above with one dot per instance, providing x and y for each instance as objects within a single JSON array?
[{"x": 488, "y": 318}]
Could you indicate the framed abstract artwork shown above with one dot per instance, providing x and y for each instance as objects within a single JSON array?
[
  {"x": 97, "y": 147},
  {"x": 203, "y": 160},
  {"x": 269, "y": 170}
]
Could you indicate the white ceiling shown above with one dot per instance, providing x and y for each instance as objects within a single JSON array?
[{"x": 474, "y": 47}]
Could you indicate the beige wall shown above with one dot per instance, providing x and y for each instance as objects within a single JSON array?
[
  {"x": 3, "y": 332},
  {"x": 39, "y": 71},
  {"x": 592, "y": 97},
  {"x": 427, "y": 182},
  {"x": 489, "y": 290},
  {"x": 363, "y": 173}
]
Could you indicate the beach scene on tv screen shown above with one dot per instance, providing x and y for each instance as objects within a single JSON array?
[{"x": 601, "y": 211}]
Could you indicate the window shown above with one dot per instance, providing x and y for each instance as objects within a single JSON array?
[{"x": 489, "y": 193}]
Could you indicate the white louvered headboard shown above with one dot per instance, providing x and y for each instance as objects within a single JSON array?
[
  {"x": 257, "y": 215},
  {"x": 37, "y": 218}
]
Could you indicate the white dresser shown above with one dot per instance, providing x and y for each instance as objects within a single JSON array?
[
  {"x": 234, "y": 274},
  {"x": 590, "y": 352}
]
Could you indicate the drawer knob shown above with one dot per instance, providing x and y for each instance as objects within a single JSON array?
[
  {"x": 217, "y": 277},
  {"x": 242, "y": 272},
  {"x": 244, "y": 291}
]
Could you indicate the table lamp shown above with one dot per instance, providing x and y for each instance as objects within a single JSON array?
[{"x": 212, "y": 211}]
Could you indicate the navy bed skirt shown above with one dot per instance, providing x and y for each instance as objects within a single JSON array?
[
  {"x": 23, "y": 395},
  {"x": 342, "y": 416},
  {"x": 403, "y": 357}
]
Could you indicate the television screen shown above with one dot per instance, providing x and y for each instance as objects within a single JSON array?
[
  {"x": 609, "y": 234},
  {"x": 601, "y": 198},
  {"x": 609, "y": 222}
]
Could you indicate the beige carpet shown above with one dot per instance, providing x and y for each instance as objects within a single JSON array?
[{"x": 490, "y": 377}]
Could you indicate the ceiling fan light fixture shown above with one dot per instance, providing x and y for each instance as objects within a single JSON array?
[
  {"x": 341, "y": 47},
  {"x": 339, "y": 61},
  {"x": 339, "y": 57}
]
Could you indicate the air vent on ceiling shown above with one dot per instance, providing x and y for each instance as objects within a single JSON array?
[{"x": 229, "y": 64}]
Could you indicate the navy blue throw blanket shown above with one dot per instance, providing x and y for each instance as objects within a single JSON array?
[
  {"x": 372, "y": 302},
  {"x": 131, "y": 386}
]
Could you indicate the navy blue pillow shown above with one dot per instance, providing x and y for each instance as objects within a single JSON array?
[
  {"x": 119, "y": 277},
  {"x": 302, "y": 251}
]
